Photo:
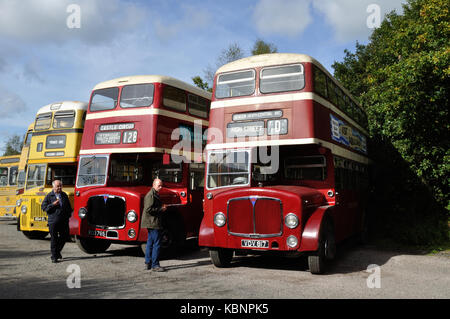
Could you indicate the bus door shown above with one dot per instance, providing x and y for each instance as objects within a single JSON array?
[{"x": 196, "y": 188}]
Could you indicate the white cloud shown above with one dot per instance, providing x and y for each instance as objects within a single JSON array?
[
  {"x": 282, "y": 17},
  {"x": 349, "y": 17},
  {"x": 40, "y": 21},
  {"x": 10, "y": 103}
]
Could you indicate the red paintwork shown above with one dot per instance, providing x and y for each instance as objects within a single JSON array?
[
  {"x": 307, "y": 199},
  {"x": 153, "y": 131}
]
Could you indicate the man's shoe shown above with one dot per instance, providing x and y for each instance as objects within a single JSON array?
[
  {"x": 54, "y": 260},
  {"x": 59, "y": 257},
  {"x": 159, "y": 269},
  {"x": 148, "y": 266}
]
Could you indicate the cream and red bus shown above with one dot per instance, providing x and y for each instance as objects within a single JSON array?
[
  {"x": 287, "y": 163},
  {"x": 133, "y": 127}
]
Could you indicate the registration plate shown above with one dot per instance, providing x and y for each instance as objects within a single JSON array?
[
  {"x": 99, "y": 233},
  {"x": 255, "y": 243},
  {"x": 40, "y": 219}
]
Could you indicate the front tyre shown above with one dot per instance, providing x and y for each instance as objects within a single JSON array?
[
  {"x": 326, "y": 251},
  {"x": 92, "y": 245},
  {"x": 221, "y": 257}
]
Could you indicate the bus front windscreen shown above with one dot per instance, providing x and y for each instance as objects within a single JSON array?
[
  {"x": 36, "y": 175},
  {"x": 92, "y": 170},
  {"x": 228, "y": 168}
]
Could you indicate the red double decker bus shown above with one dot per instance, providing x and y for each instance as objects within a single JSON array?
[
  {"x": 287, "y": 164},
  {"x": 132, "y": 130}
]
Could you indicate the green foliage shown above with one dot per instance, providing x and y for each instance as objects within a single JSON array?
[
  {"x": 261, "y": 47},
  {"x": 401, "y": 78},
  {"x": 198, "y": 81},
  {"x": 13, "y": 145},
  {"x": 232, "y": 53}
]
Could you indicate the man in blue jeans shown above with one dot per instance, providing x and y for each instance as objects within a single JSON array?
[{"x": 151, "y": 219}]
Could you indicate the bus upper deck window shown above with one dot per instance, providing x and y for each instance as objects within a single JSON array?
[
  {"x": 64, "y": 119},
  {"x": 104, "y": 99},
  {"x": 137, "y": 95},
  {"x": 198, "y": 106},
  {"x": 235, "y": 84},
  {"x": 43, "y": 121},
  {"x": 282, "y": 78}
]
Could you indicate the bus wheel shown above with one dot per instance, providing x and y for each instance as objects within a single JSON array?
[
  {"x": 221, "y": 257},
  {"x": 35, "y": 234},
  {"x": 326, "y": 251},
  {"x": 92, "y": 245}
]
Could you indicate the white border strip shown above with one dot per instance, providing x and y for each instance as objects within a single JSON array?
[
  {"x": 335, "y": 149},
  {"x": 106, "y": 151},
  {"x": 285, "y": 98},
  {"x": 147, "y": 111}
]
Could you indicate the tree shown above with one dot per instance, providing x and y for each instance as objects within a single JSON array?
[
  {"x": 198, "y": 81},
  {"x": 13, "y": 145},
  {"x": 261, "y": 47},
  {"x": 401, "y": 78},
  {"x": 232, "y": 53}
]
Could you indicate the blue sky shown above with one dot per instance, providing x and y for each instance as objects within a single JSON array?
[{"x": 43, "y": 61}]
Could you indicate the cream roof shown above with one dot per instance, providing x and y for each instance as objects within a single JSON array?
[
  {"x": 262, "y": 60},
  {"x": 141, "y": 79},
  {"x": 272, "y": 59},
  {"x": 64, "y": 106}
]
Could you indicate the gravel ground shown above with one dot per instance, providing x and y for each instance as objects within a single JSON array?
[{"x": 26, "y": 272}]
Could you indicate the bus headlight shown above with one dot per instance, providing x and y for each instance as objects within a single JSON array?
[
  {"x": 291, "y": 220},
  {"x": 219, "y": 219},
  {"x": 292, "y": 241},
  {"x": 82, "y": 212},
  {"x": 131, "y": 216},
  {"x": 131, "y": 233},
  {"x": 18, "y": 202},
  {"x": 23, "y": 209}
]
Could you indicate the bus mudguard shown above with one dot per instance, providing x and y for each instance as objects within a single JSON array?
[{"x": 310, "y": 235}]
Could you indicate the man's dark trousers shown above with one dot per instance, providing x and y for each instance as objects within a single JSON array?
[
  {"x": 59, "y": 232},
  {"x": 58, "y": 221}
]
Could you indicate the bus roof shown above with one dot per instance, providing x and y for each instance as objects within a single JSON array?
[
  {"x": 142, "y": 79},
  {"x": 64, "y": 105},
  {"x": 272, "y": 59},
  {"x": 269, "y": 59}
]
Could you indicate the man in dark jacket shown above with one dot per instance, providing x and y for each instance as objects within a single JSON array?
[
  {"x": 151, "y": 219},
  {"x": 57, "y": 206}
]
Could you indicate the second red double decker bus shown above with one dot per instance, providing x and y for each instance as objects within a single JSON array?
[
  {"x": 287, "y": 164},
  {"x": 128, "y": 141}
]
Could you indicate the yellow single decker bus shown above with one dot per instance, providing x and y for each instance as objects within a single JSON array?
[
  {"x": 9, "y": 167},
  {"x": 53, "y": 153}
]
